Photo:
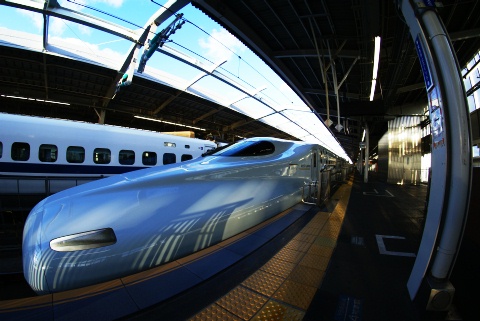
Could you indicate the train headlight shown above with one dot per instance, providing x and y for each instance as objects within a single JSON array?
[{"x": 84, "y": 240}]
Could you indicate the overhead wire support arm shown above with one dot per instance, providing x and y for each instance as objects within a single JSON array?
[{"x": 159, "y": 40}]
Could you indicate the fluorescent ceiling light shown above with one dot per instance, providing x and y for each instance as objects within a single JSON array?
[
  {"x": 376, "y": 60},
  {"x": 169, "y": 122},
  {"x": 36, "y": 99}
]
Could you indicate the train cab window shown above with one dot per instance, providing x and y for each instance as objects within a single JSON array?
[
  {"x": 149, "y": 158},
  {"x": 101, "y": 156},
  {"x": 20, "y": 151},
  {"x": 169, "y": 158},
  {"x": 75, "y": 154},
  {"x": 248, "y": 148},
  {"x": 186, "y": 157},
  {"x": 47, "y": 153},
  {"x": 167, "y": 144},
  {"x": 126, "y": 157}
]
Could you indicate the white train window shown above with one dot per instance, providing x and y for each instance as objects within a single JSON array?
[
  {"x": 126, "y": 157},
  {"x": 20, "y": 151},
  {"x": 169, "y": 158},
  {"x": 186, "y": 157},
  {"x": 47, "y": 153},
  {"x": 149, "y": 158},
  {"x": 75, "y": 154},
  {"x": 101, "y": 156}
]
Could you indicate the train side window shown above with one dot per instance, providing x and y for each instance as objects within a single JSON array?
[
  {"x": 248, "y": 148},
  {"x": 47, "y": 153},
  {"x": 126, "y": 157},
  {"x": 75, "y": 154},
  {"x": 169, "y": 158},
  {"x": 186, "y": 157},
  {"x": 187, "y": 146},
  {"x": 167, "y": 144},
  {"x": 20, "y": 151},
  {"x": 102, "y": 156},
  {"x": 149, "y": 158},
  {"x": 1, "y": 149}
]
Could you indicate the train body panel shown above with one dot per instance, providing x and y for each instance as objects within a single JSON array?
[
  {"x": 44, "y": 155},
  {"x": 138, "y": 220}
]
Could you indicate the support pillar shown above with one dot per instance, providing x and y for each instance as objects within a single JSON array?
[
  {"x": 367, "y": 156},
  {"x": 450, "y": 185}
]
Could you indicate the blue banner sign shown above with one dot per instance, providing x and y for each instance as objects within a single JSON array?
[{"x": 427, "y": 76}]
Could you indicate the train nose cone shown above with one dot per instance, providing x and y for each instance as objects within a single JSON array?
[
  {"x": 32, "y": 252},
  {"x": 36, "y": 252}
]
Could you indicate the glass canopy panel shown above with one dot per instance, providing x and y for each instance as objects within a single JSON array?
[
  {"x": 313, "y": 139},
  {"x": 86, "y": 43},
  {"x": 275, "y": 120},
  {"x": 162, "y": 77},
  {"x": 252, "y": 108},
  {"x": 115, "y": 11},
  {"x": 286, "y": 126},
  {"x": 26, "y": 21},
  {"x": 173, "y": 67},
  {"x": 21, "y": 27},
  {"x": 217, "y": 89},
  {"x": 308, "y": 121}
]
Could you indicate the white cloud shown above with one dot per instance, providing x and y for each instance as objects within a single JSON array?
[
  {"x": 85, "y": 30},
  {"x": 75, "y": 6},
  {"x": 113, "y": 3},
  {"x": 36, "y": 18},
  {"x": 57, "y": 26},
  {"x": 221, "y": 46},
  {"x": 87, "y": 50}
]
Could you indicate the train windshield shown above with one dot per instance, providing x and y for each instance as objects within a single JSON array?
[{"x": 247, "y": 148}]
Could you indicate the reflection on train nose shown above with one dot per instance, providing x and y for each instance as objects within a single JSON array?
[{"x": 33, "y": 258}]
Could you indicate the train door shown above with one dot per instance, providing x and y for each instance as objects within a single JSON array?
[
  {"x": 315, "y": 165},
  {"x": 310, "y": 193},
  {"x": 321, "y": 161}
]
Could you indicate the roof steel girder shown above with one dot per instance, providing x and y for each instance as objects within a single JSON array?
[{"x": 54, "y": 9}]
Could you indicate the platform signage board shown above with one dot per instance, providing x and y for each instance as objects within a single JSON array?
[{"x": 427, "y": 76}]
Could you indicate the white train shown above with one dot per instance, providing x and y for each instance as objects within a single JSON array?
[
  {"x": 135, "y": 221},
  {"x": 63, "y": 153}
]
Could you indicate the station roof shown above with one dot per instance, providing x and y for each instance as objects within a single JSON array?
[{"x": 292, "y": 37}]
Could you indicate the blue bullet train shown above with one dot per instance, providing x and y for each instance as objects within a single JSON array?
[{"x": 138, "y": 220}]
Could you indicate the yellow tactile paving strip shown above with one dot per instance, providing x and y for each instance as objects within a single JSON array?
[{"x": 283, "y": 288}]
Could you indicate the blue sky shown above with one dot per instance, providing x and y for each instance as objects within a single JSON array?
[{"x": 200, "y": 37}]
